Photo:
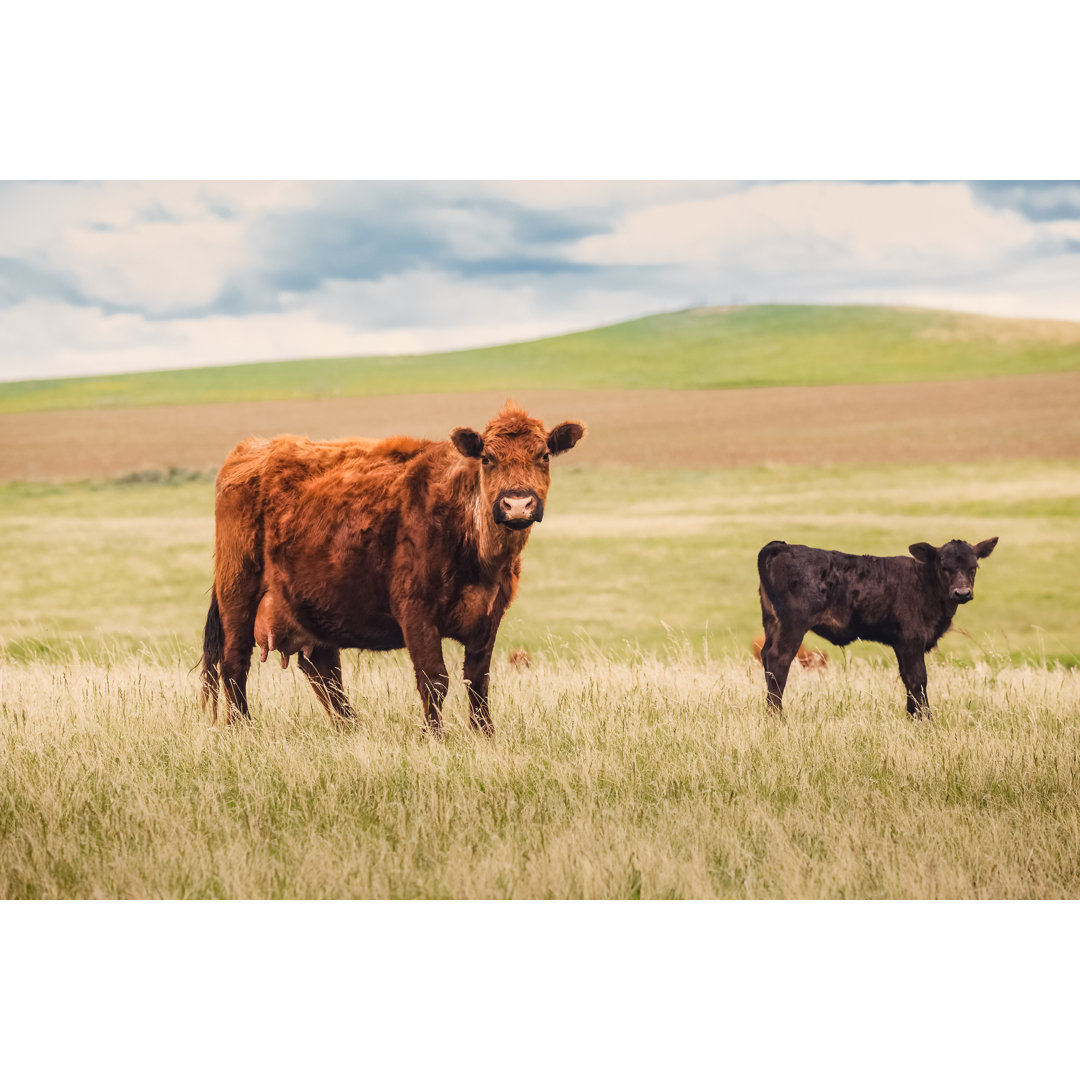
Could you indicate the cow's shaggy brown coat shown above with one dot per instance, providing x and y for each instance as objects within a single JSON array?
[
  {"x": 902, "y": 602},
  {"x": 324, "y": 546}
]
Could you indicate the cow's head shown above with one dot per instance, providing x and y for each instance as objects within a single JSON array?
[
  {"x": 955, "y": 563},
  {"x": 513, "y": 454}
]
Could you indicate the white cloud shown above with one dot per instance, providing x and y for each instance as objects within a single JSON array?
[
  {"x": 1040, "y": 290},
  {"x": 153, "y": 247},
  {"x": 786, "y": 228},
  {"x": 112, "y": 274},
  {"x": 603, "y": 194}
]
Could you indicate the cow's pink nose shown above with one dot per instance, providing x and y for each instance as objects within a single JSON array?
[{"x": 517, "y": 508}]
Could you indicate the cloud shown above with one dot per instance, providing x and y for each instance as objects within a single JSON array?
[
  {"x": 1037, "y": 200},
  {"x": 780, "y": 229},
  {"x": 841, "y": 242},
  {"x": 184, "y": 251},
  {"x": 367, "y": 232},
  {"x": 20, "y": 279},
  {"x": 121, "y": 276},
  {"x": 150, "y": 249}
]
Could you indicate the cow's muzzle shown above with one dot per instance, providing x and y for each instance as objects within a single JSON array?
[
  {"x": 518, "y": 509},
  {"x": 962, "y": 596}
]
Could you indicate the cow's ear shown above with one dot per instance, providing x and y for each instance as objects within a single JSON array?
[
  {"x": 468, "y": 442},
  {"x": 926, "y": 553},
  {"x": 984, "y": 547},
  {"x": 565, "y": 436}
]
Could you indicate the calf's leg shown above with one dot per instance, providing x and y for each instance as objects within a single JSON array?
[
  {"x": 912, "y": 661},
  {"x": 323, "y": 669},
  {"x": 781, "y": 645}
]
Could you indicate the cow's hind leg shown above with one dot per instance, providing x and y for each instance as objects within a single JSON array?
[
  {"x": 770, "y": 624},
  {"x": 912, "y": 661},
  {"x": 234, "y": 673},
  {"x": 323, "y": 669},
  {"x": 781, "y": 645},
  {"x": 238, "y": 628}
]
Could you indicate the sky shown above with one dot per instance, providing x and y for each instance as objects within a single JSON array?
[{"x": 115, "y": 276}]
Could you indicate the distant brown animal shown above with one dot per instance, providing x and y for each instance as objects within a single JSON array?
[
  {"x": 809, "y": 658},
  {"x": 519, "y": 659},
  {"x": 324, "y": 546},
  {"x": 902, "y": 602}
]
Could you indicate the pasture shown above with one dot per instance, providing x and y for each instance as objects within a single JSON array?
[
  {"x": 625, "y": 560},
  {"x": 657, "y": 777},
  {"x": 634, "y": 757},
  {"x": 700, "y": 348}
]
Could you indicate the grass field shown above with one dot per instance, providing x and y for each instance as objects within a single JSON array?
[
  {"x": 702, "y": 348},
  {"x": 657, "y": 778},
  {"x": 624, "y": 559},
  {"x": 634, "y": 758}
]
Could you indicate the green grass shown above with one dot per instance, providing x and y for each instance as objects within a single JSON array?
[
  {"x": 644, "y": 779},
  {"x": 625, "y": 559},
  {"x": 697, "y": 349},
  {"x": 633, "y": 759}
]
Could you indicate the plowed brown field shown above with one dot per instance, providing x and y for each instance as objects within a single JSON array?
[{"x": 1031, "y": 416}]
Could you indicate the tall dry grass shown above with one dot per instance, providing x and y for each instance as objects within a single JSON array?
[{"x": 642, "y": 778}]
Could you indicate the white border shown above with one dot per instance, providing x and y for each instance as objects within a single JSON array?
[{"x": 539, "y": 989}]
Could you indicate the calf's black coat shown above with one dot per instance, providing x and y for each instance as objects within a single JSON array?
[{"x": 907, "y": 603}]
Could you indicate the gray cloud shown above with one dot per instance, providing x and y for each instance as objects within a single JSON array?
[
  {"x": 356, "y": 232},
  {"x": 153, "y": 213},
  {"x": 21, "y": 280},
  {"x": 373, "y": 231},
  {"x": 377, "y": 230},
  {"x": 1037, "y": 200}
]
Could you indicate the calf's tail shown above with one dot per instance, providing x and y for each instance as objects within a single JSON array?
[
  {"x": 212, "y": 655},
  {"x": 765, "y": 555}
]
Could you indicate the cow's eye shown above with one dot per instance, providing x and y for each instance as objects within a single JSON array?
[
  {"x": 544, "y": 457},
  {"x": 485, "y": 460}
]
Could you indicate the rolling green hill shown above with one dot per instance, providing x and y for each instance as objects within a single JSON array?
[{"x": 702, "y": 348}]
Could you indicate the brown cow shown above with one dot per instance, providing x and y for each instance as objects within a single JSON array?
[{"x": 324, "y": 546}]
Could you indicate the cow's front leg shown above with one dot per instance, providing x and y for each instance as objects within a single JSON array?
[
  {"x": 432, "y": 679},
  {"x": 477, "y": 667},
  {"x": 912, "y": 662}
]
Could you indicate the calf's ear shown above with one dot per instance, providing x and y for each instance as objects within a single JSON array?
[
  {"x": 926, "y": 553},
  {"x": 565, "y": 436},
  {"x": 984, "y": 547},
  {"x": 467, "y": 441}
]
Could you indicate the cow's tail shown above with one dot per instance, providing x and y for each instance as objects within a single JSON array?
[
  {"x": 765, "y": 556},
  {"x": 213, "y": 653}
]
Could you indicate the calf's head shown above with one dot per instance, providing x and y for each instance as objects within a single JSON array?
[
  {"x": 955, "y": 563},
  {"x": 513, "y": 453}
]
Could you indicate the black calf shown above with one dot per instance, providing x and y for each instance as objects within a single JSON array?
[{"x": 897, "y": 601}]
